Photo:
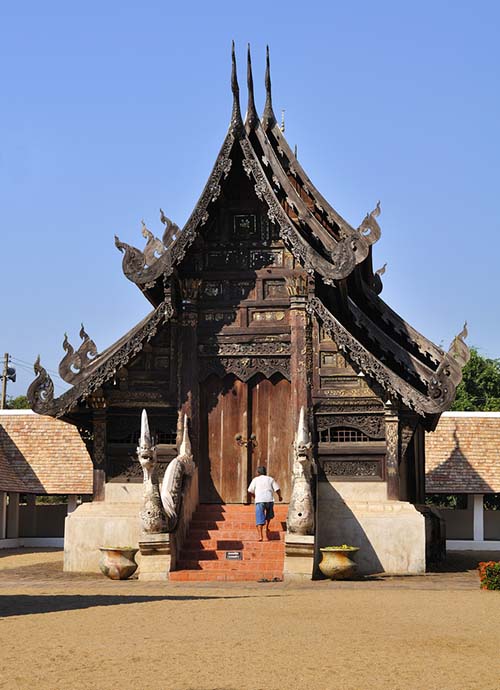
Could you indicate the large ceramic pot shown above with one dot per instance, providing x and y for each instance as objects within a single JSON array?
[
  {"x": 117, "y": 563},
  {"x": 336, "y": 562}
]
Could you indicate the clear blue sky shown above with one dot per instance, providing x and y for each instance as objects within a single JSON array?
[{"x": 113, "y": 109}]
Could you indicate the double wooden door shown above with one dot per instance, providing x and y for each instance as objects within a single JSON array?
[{"x": 243, "y": 426}]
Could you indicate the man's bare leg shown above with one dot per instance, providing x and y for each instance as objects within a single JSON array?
[
  {"x": 268, "y": 522},
  {"x": 260, "y": 529}
]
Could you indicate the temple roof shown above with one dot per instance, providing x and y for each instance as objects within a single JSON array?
[
  {"x": 321, "y": 240},
  {"x": 41, "y": 455},
  {"x": 406, "y": 364},
  {"x": 463, "y": 454},
  {"x": 97, "y": 371}
]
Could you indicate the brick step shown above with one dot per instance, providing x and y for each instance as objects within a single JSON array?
[
  {"x": 245, "y": 564},
  {"x": 233, "y": 545},
  {"x": 227, "y": 576},
  {"x": 218, "y": 555},
  {"x": 260, "y": 564},
  {"x": 237, "y": 506},
  {"x": 247, "y": 516},
  {"x": 198, "y": 523},
  {"x": 231, "y": 535},
  {"x": 216, "y": 529}
]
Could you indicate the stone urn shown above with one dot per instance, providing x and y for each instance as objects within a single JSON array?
[
  {"x": 337, "y": 563},
  {"x": 117, "y": 563}
]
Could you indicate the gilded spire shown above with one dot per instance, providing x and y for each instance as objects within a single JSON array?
[
  {"x": 268, "y": 118},
  {"x": 252, "y": 119},
  {"x": 236, "y": 121}
]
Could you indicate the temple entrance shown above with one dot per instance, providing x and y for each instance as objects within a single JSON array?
[{"x": 243, "y": 425}]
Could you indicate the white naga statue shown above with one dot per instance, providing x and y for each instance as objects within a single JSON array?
[
  {"x": 161, "y": 505},
  {"x": 301, "y": 510}
]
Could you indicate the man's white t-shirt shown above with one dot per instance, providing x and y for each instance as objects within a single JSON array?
[{"x": 263, "y": 487}]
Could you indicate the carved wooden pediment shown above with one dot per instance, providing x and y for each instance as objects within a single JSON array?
[{"x": 245, "y": 367}]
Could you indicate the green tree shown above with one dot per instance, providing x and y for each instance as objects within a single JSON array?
[
  {"x": 480, "y": 385},
  {"x": 19, "y": 403}
]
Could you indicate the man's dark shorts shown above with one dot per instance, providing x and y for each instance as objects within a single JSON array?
[{"x": 263, "y": 512}]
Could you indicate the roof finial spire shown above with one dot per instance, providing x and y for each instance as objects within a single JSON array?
[
  {"x": 236, "y": 121},
  {"x": 268, "y": 118},
  {"x": 282, "y": 126},
  {"x": 252, "y": 118}
]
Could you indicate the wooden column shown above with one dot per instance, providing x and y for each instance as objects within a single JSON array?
[
  {"x": 98, "y": 404},
  {"x": 300, "y": 355},
  {"x": 392, "y": 455},
  {"x": 189, "y": 398},
  {"x": 13, "y": 516},
  {"x": 419, "y": 459},
  {"x": 3, "y": 514}
]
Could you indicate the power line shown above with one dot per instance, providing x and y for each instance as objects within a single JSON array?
[
  {"x": 30, "y": 371},
  {"x": 22, "y": 362}
]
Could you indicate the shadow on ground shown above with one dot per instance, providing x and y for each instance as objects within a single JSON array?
[{"x": 24, "y": 604}]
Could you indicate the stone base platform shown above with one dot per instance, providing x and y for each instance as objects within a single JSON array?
[
  {"x": 155, "y": 557},
  {"x": 112, "y": 522},
  {"x": 299, "y": 557},
  {"x": 390, "y": 534}
]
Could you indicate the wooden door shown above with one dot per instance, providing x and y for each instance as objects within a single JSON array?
[
  {"x": 224, "y": 462},
  {"x": 231, "y": 409},
  {"x": 269, "y": 401}
]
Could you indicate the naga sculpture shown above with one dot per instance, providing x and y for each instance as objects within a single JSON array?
[
  {"x": 152, "y": 515},
  {"x": 161, "y": 506},
  {"x": 301, "y": 510},
  {"x": 177, "y": 470}
]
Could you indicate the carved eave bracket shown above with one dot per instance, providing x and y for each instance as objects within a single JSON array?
[
  {"x": 40, "y": 394},
  {"x": 74, "y": 364}
]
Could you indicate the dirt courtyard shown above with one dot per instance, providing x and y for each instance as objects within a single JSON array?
[{"x": 57, "y": 631}]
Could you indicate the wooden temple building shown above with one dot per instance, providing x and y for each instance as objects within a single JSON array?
[{"x": 264, "y": 303}]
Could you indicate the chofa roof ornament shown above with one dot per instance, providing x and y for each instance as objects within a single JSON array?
[
  {"x": 40, "y": 394},
  {"x": 135, "y": 262},
  {"x": 73, "y": 364}
]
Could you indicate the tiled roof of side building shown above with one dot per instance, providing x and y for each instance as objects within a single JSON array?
[
  {"x": 463, "y": 454},
  {"x": 42, "y": 455}
]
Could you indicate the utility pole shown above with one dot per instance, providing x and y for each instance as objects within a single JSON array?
[{"x": 9, "y": 373}]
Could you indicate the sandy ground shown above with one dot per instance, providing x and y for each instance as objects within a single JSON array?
[{"x": 57, "y": 631}]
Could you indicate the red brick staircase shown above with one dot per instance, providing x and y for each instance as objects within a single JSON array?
[{"x": 217, "y": 529}]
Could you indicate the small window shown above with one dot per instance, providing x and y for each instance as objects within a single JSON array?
[{"x": 342, "y": 435}]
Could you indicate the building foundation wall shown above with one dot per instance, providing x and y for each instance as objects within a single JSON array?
[
  {"x": 390, "y": 534},
  {"x": 112, "y": 522}
]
